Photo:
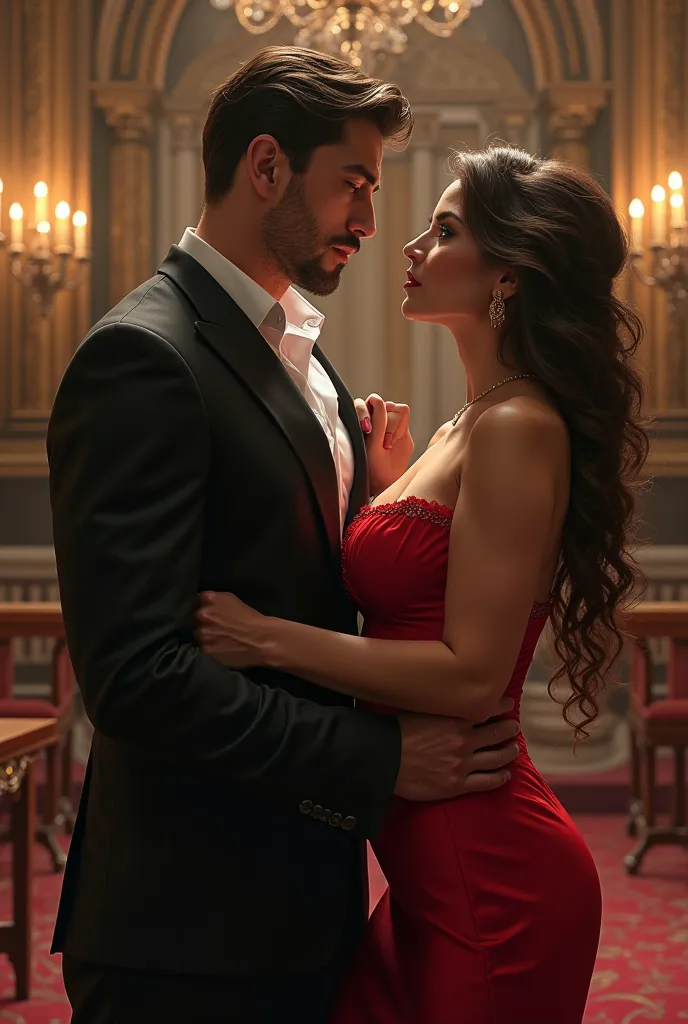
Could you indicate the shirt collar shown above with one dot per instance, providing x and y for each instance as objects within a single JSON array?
[{"x": 258, "y": 305}]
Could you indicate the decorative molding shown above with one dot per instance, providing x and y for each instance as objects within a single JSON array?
[
  {"x": 21, "y": 564},
  {"x": 668, "y": 458},
  {"x": 568, "y": 30},
  {"x": 591, "y": 31}
]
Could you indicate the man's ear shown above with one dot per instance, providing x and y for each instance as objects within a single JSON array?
[{"x": 267, "y": 167}]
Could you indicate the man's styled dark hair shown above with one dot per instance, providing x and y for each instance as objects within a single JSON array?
[{"x": 303, "y": 99}]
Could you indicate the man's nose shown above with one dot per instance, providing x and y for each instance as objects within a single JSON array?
[{"x": 362, "y": 222}]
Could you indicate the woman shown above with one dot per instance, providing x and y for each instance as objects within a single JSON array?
[{"x": 519, "y": 511}]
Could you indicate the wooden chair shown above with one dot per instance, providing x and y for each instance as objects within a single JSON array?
[
  {"x": 657, "y": 723},
  {"x": 44, "y": 620}
]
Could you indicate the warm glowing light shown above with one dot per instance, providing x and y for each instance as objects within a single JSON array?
[
  {"x": 676, "y": 201},
  {"x": 16, "y": 212},
  {"x": 675, "y": 181},
  {"x": 43, "y": 227},
  {"x": 636, "y": 208},
  {"x": 40, "y": 190},
  {"x": 658, "y": 194},
  {"x": 79, "y": 220},
  {"x": 62, "y": 211}
]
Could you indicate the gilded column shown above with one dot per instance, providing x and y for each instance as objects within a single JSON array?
[
  {"x": 131, "y": 221},
  {"x": 424, "y": 417},
  {"x": 450, "y": 386},
  {"x": 187, "y": 187}
]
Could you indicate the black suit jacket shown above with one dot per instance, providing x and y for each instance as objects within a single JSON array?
[{"x": 220, "y": 824}]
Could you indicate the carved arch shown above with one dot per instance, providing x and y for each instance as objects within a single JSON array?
[{"x": 122, "y": 21}]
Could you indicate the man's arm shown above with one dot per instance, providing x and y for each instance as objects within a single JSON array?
[{"x": 128, "y": 447}]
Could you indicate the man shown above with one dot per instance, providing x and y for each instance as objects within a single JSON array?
[{"x": 200, "y": 440}]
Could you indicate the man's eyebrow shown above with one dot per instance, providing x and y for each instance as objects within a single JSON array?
[{"x": 363, "y": 171}]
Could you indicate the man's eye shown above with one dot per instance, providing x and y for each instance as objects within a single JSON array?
[{"x": 352, "y": 186}]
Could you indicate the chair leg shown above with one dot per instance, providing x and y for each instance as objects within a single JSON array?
[
  {"x": 635, "y": 807},
  {"x": 66, "y": 807},
  {"x": 645, "y": 821},
  {"x": 46, "y": 832},
  {"x": 678, "y": 809}
]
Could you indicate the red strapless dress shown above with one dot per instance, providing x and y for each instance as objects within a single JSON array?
[{"x": 492, "y": 915}]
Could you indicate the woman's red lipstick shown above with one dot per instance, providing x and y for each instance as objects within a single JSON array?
[{"x": 411, "y": 281}]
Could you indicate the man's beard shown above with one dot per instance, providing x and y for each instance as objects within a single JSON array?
[{"x": 291, "y": 236}]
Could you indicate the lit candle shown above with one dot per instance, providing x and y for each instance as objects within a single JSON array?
[
  {"x": 16, "y": 224},
  {"x": 678, "y": 210},
  {"x": 79, "y": 220},
  {"x": 637, "y": 212},
  {"x": 676, "y": 201},
  {"x": 658, "y": 215},
  {"x": 62, "y": 212},
  {"x": 43, "y": 229},
  {"x": 40, "y": 191}
]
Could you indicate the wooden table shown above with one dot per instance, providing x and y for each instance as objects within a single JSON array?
[{"x": 20, "y": 740}]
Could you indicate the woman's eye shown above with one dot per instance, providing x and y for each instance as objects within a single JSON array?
[{"x": 444, "y": 231}]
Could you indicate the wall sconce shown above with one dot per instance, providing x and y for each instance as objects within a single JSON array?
[
  {"x": 55, "y": 257},
  {"x": 666, "y": 257}
]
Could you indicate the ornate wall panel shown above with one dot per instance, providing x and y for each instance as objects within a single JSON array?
[
  {"x": 45, "y": 60},
  {"x": 650, "y": 139}
]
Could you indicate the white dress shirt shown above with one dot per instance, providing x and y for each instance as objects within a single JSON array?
[{"x": 291, "y": 328}]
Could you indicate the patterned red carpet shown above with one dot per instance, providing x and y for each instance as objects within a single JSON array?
[{"x": 642, "y": 969}]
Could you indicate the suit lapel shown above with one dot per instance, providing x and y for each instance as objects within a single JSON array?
[
  {"x": 240, "y": 346},
  {"x": 349, "y": 417}
]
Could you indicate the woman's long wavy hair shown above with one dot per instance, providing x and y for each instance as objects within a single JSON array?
[{"x": 556, "y": 226}]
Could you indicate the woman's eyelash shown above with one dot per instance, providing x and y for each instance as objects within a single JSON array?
[{"x": 442, "y": 228}]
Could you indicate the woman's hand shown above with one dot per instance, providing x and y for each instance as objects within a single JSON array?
[
  {"x": 389, "y": 445},
  {"x": 229, "y": 631}
]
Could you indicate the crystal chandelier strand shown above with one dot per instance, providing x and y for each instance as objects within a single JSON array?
[
  {"x": 257, "y": 16},
  {"x": 356, "y": 30}
]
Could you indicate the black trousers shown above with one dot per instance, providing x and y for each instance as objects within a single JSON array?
[
  {"x": 101, "y": 994},
  {"x": 112, "y": 995}
]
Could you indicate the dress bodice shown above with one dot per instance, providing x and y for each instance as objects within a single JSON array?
[{"x": 395, "y": 560}]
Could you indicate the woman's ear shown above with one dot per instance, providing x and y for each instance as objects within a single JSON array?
[{"x": 508, "y": 283}]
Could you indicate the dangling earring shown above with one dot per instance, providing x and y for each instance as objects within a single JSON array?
[{"x": 497, "y": 310}]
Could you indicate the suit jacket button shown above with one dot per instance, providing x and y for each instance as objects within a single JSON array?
[
  {"x": 335, "y": 819},
  {"x": 317, "y": 812},
  {"x": 349, "y": 823},
  {"x": 306, "y": 806},
  {"x": 326, "y": 814}
]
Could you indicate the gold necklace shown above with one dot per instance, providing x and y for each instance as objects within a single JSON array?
[{"x": 507, "y": 380}]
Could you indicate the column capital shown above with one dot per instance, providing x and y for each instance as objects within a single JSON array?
[
  {"x": 128, "y": 109},
  {"x": 185, "y": 130},
  {"x": 574, "y": 108},
  {"x": 425, "y": 130}
]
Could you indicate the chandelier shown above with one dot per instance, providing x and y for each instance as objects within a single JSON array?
[{"x": 359, "y": 31}]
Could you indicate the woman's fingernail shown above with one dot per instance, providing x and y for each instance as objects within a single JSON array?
[
  {"x": 387, "y": 443},
  {"x": 366, "y": 425}
]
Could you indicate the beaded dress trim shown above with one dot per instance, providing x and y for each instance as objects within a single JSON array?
[{"x": 432, "y": 512}]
